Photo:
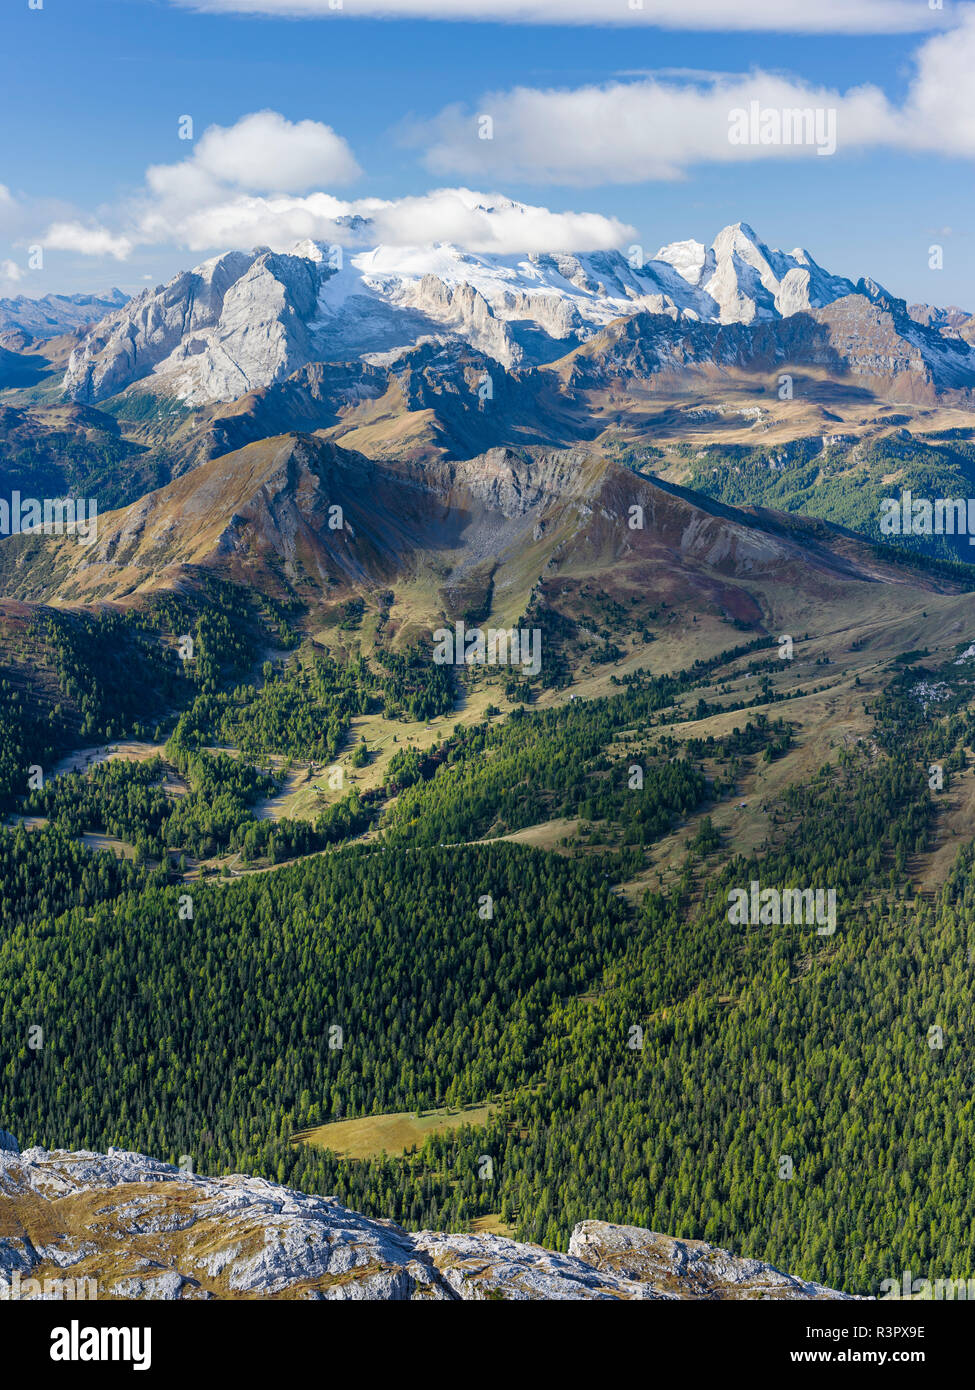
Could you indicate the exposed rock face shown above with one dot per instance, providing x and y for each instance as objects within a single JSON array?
[
  {"x": 262, "y": 516},
  {"x": 949, "y": 320},
  {"x": 139, "y": 1228},
  {"x": 741, "y": 280},
  {"x": 866, "y": 337},
  {"x": 245, "y": 320},
  {"x": 184, "y": 321},
  {"x": 880, "y": 342},
  {"x": 433, "y": 400},
  {"x": 738, "y": 279},
  {"x": 684, "y": 1268}
]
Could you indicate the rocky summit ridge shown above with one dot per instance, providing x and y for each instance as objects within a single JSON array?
[
  {"x": 123, "y": 1226},
  {"x": 245, "y": 320}
]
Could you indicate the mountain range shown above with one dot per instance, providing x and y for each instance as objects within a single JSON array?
[
  {"x": 244, "y": 321},
  {"x": 56, "y": 313},
  {"x": 495, "y": 531},
  {"x": 410, "y": 362}
]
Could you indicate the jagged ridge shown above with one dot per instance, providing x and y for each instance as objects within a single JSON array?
[{"x": 245, "y": 320}]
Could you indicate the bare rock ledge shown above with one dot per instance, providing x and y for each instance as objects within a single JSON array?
[{"x": 125, "y": 1226}]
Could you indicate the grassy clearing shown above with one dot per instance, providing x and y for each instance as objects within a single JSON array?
[
  {"x": 395, "y": 1133},
  {"x": 306, "y": 791},
  {"x": 492, "y": 1225}
]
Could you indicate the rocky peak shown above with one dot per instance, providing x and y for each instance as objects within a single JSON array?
[
  {"x": 243, "y": 321},
  {"x": 870, "y": 289}
]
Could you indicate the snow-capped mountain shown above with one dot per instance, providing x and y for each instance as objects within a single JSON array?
[
  {"x": 740, "y": 280},
  {"x": 245, "y": 320}
]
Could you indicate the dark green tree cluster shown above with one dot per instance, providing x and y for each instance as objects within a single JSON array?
[
  {"x": 564, "y": 761},
  {"x": 651, "y": 1065}
]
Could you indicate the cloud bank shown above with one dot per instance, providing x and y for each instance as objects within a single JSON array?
[
  {"x": 778, "y": 16},
  {"x": 654, "y": 129},
  {"x": 257, "y": 183}
]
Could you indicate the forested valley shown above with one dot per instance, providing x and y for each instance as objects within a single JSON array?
[{"x": 645, "y": 1061}]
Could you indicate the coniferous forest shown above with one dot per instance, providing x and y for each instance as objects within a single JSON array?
[{"x": 642, "y": 1059}]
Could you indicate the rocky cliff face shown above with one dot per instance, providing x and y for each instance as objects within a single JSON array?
[
  {"x": 245, "y": 320},
  {"x": 866, "y": 337},
  {"x": 125, "y": 1226}
]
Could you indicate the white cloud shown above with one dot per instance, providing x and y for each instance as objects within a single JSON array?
[
  {"x": 11, "y": 213},
  {"x": 781, "y": 16},
  {"x": 86, "y": 240},
  {"x": 237, "y": 220},
  {"x": 627, "y": 132},
  {"x": 483, "y": 222},
  {"x": 201, "y": 202},
  {"x": 243, "y": 186},
  {"x": 244, "y": 183},
  {"x": 21, "y": 220},
  {"x": 260, "y": 182},
  {"x": 23, "y": 217},
  {"x": 940, "y": 109},
  {"x": 264, "y": 153},
  {"x": 478, "y": 221}
]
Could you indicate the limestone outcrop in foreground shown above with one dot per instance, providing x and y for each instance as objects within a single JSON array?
[{"x": 125, "y": 1226}]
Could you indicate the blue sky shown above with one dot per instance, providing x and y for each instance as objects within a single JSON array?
[{"x": 91, "y": 92}]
